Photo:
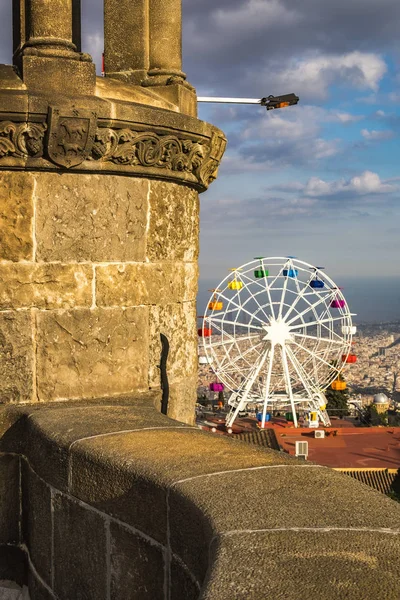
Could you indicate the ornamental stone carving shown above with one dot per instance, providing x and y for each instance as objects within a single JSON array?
[
  {"x": 21, "y": 140},
  {"x": 71, "y": 135},
  {"x": 73, "y": 138}
]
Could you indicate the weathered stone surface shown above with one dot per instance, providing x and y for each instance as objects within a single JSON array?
[
  {"x": 182, "y": 399},
  {"x": 80, "y": 563},
  {"x": 37, "y": 590},
  {"x": 36, "y": 521},
  {"x": 9, "y": 499},
  {"x": 91, "y": 218},
  {"x": 45, "y": 285},
  {"x": 16, "y": 357},
  {"x": 331, "y": 565},
  {"x": 182, "y": 585},
  {"x": 145, "y": 283},
  {"x": 126, "y": 52},
  {"x": 122, "y": 493},
  {"x": 174, "y": 223},
  {"x": 92, "y": 353},
  {"x": 45, "y": 75},
  {"x": 165, "y": 49},
  {"x": 266, "y": 492},
  {"x": 137, "y": 567},
  {"x": 9, "y": 79},
  {"x": 127, "y": 493},
  {"x": 16, "y": 214},
  {"x": 178, "y": 323}
]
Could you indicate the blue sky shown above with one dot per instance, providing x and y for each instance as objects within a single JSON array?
[{"x": 321, "y": 180}]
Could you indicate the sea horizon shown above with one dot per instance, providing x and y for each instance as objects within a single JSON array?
[{"x": 373, "y": 299}]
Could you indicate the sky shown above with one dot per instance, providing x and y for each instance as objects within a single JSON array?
[{"x": 320, "y": 181}]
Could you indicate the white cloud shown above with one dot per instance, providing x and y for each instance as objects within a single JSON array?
[
  {"x": 314, "y": 75},
  {"x": 344, "y": 118},
  {"x": 365, "y": 183},
  {"x": 254, "y": 16},
  {"x": 377, "y": 135}
]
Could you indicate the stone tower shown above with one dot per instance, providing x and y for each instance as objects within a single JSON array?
[{"x": 99, "y": 182}]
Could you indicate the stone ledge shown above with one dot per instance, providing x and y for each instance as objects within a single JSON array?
[
  {"x": 123, "y": 137},
  {"x": 240, "y": 522}
]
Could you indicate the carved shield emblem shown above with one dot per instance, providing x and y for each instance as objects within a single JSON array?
[{"x": 71, "y": 135}]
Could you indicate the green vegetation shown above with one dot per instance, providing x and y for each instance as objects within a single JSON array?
[
  {"x": 336, "y": 401},
  {"x": 371, "y": 417}
]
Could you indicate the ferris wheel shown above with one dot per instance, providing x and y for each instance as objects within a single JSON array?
[{"x": 278, "y": 332}]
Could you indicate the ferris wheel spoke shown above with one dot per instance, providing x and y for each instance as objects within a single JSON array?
[
  {"x": 319, "y": 322},
  {"x": 328, "y": 296},
  {"x": 316, "y": 356},
  {"x": 242, "y": 355},
  {"x": 254, "y": 296},
  {"x": 235, "y": 323},
  {"x": 244, "y": 338},
  {"x": 240, "y": 307},
  {"x": 249, "y": 384},
  {"x": 317, "y": 339},
  {"x": 285, "y": 284},
  {"x": 300, "y": 371},
  {"x": 268, "y": 290},
  {"x": 288, "y": 384},
  {"x": 301, "y": 295}
]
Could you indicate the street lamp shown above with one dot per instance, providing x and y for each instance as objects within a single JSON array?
[{"x": 270, "y": 102}]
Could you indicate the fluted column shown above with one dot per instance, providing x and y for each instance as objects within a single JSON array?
[
  {"x": 165, "y": 40},
  {"x": 126, "y": 33}
]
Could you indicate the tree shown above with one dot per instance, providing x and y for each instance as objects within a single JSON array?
[
  {"x": 337, "y": 400},
  {"x": 373, "y": 418}
]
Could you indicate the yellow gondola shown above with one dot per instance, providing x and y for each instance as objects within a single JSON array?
[{"x": 235, "y": 284}]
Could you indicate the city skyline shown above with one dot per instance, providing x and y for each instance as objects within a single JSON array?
[{"x": 318, "y": 180}]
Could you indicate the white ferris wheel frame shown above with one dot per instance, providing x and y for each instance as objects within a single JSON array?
[{"x": 312, "y": 369}]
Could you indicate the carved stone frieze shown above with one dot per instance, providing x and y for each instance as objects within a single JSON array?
[
  {"x": 22, "y": 140},
  {"x": 76, "y": 139}
]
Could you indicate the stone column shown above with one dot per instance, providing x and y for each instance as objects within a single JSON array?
[
  {"x": 165, "y": 40},
  {"x": 126, "y": 33},
  {"x": 47, "y": 26},
  {"x": 43, "y": 34}
]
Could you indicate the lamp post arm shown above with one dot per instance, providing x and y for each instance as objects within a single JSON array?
[
  {"x": 269, "y": 102},
  {"x": 229, "y": 100}
]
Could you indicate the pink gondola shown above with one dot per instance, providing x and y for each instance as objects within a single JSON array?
[
  {"x": 338, "y": 303},
  {"x": 217, "y": 387}
]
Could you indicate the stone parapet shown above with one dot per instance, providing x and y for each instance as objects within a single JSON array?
[{"x": 134, "y": 505}]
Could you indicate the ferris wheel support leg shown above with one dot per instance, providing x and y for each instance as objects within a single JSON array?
[
  {"x": 314, "y": 395},
  {"x": 247, "y": 389},
  {"x": 288, "y": 385},
  {"x": 268, "y": 385},
  {"x": 299, "y": 370}
]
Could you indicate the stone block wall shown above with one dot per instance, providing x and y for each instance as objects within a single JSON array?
[
  {"x": 105, "y": 502},
  {"x": 93, "y": 268}
]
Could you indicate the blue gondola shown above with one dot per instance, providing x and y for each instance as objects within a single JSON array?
[
  {"x": 290, "y": 272},
  {"x": 317, "y": 284}
]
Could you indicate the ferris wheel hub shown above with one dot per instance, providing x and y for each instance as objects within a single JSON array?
[{"x": 278, "y": 332}]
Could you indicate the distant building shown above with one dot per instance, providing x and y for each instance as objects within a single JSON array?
[{"x": 381, "y": 403}]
